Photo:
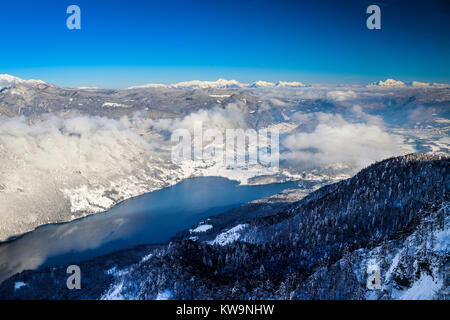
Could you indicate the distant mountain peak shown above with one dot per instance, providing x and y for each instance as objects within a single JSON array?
[
  {"x": 219, "y": 83},
  {"x": 9, "y": 80},
  {"x": 392, "y": 83},
  {"x": 388, "y": 83},
  {"x": 262, "y": 84},
  {"x": 222, "y": 84}
]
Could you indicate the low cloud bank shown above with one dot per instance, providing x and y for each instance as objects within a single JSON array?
[
  {"x": 221, "y": 118},
  {"x": 354, "y": 140}
]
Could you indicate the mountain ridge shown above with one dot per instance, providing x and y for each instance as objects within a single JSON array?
[
  {"x": 10, "y": 80},
  {"x": 310, "y": 251}
]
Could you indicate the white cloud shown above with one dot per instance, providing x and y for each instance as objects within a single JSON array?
[
  {"x": 149, "y": 85},
  {"x": 289, "y": 84},
  {"x": 441, "y": 85},
  {"x": 221, "y": 118},
  {"x": 8, "y": 80},
  {"x": 341, "y": 95},
  {"x": 421, "y": 84},
  {"x": 421, "y": 114},
  {"x": 330, "y": 139}
]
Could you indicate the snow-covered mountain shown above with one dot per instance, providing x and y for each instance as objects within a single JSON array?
[
  {"x": 388, "y": 83},
  {"x": 222, "y": 84},
  {"x": 8, "y": 80},
  {"x": 395, "y": 84},
  {"x": 393, "y": 215},
  {"x": 262, "y": 84},
  {"x": 218, "y": 84},
  {"x": 195, "y": 84}
]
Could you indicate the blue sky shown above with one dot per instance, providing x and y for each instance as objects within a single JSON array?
[{"x": 124, "y": 43}]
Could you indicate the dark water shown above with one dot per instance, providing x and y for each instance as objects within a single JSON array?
[{"x": 150, "y": 218}]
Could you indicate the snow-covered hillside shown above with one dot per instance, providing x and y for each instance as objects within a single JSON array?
[
  {"x": 393, "y": 215},
  {"x": 8, "y": 80}
]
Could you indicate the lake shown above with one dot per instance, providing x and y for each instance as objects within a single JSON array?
[{"x": 150, "y": 218}]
